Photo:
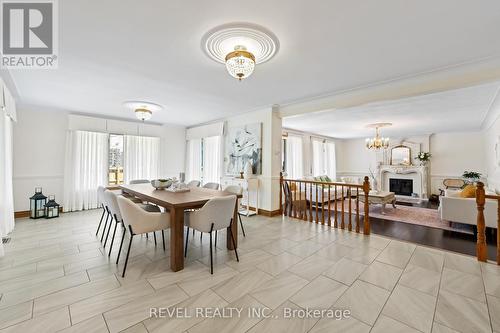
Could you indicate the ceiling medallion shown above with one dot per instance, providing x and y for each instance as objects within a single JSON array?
[
  {"x": 377, "y": 142},
  {"x": 240, "y": 46},
  {"x": 143, "y": 110}
]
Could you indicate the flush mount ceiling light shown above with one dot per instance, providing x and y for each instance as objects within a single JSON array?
[
  {"x": 240, "y": 46},
  {"x": 143, "y": 110},
  {"x": 377, "y": 142}
]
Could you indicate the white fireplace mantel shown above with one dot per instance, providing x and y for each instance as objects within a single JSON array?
[{"x": 419, "y": 173}]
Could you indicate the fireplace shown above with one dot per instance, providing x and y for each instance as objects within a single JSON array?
[{"x": 401, "y": 186}]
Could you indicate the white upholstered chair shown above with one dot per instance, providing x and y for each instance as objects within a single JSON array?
[
  {"x": 238, "y": 190},
  {"x": 215, "y": 215},
  {"x": 193, "y": 183},
  {"x": 101, "y": 203},
  {"x": 212, "y": 186},
  {"x": 138, "y": 221}
]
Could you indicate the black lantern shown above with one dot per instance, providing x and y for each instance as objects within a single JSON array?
[
  {"x": 51, "y": 208},
  {"x": 37, "y": 204}
]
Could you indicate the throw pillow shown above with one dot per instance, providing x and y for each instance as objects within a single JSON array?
[{"x": 469, "y": 191}]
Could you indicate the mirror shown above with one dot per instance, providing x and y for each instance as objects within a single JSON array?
[{"x": 400, "y": 155}]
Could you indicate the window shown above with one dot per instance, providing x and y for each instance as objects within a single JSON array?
[
  {"x": 115, "y": 159},
  {"x": 323, "y": 158},
  {"x": 292, "y": 157},
  {"x": 203, "y": 159}
]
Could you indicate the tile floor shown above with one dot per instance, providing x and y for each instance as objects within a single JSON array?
[{"x": 57, "y": 277}]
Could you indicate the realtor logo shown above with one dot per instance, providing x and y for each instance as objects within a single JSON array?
[{"x": 29, "y": 34}]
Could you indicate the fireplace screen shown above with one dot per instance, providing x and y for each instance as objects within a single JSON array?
[{"x": 401, "y": 186}]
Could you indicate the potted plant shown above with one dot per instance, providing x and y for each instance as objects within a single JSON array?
[
  {"x": 423, "y": 157},
  {"x": 471, "y": 177}
]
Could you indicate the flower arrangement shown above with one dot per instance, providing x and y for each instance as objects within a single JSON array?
[
  {"x": 471, "y": 177},
  {"x": 423, "y": 156}
]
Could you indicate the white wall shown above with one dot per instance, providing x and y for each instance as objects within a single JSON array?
[
  {"x": 40, "y": 141},
  {"x": 452, "y": 154},
  {"x": 491, "y": 137},
  {"x": 271, "y": 153},
  {"x": 39, "y": 145}
]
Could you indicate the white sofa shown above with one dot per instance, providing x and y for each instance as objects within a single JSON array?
[{"x": 454, "y": 208}]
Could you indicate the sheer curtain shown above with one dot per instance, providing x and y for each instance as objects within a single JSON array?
[
  {"x": 211, "y": 159},
  {"x": 141, "y": 156},
  {"x": 193, "y": 160},
  {"x": 6, "y": 193},
  {"x": 324, "y": 162},
  {"x": 294, "y": 162},
  {"x": 330, "y": 165},
  {"x": 318, "y": 157},
  {"x": 86, "y": 168}
]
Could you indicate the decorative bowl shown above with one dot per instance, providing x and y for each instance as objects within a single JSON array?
[{"x": 161, "y": 184}]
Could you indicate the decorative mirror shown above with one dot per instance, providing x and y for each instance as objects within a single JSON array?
[{"x": 400, "y": 155}]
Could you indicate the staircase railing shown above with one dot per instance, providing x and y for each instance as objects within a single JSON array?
[
  {"x": 481, "y": 246},
  {"x": 313, "y": 201}
]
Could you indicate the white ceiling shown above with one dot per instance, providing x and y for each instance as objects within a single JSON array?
[
  {"x": 455, "y": 110},
  {"x": 117, "y": 50}
]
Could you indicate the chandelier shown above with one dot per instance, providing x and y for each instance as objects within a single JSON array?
[
  {"x": 143, "y": 110},
  {"x": 240, "y": 46},
  {"x": 240, "y": 63},
  {"x": 143, "y": 114},
  {"x": 378, "y": 142}
]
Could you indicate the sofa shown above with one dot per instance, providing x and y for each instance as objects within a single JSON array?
[{"x": 454, "y": 208}]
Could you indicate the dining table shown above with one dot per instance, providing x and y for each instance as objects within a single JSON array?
[{"x": 177, "y": 203}]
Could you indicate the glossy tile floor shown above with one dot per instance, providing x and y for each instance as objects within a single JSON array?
[{"x": 57, "y": 277}]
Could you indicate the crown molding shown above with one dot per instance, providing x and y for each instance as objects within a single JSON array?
[{"x": 434, "y": 81}]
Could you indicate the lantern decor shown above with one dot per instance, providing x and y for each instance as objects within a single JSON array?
[
  {"x": 51, "y": 208},
  {"x": 37, "y": 204}
]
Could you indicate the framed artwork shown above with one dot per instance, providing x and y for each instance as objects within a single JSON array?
[{"x": 243, "y": 144}]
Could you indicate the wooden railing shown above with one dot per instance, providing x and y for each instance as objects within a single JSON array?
[
  {"x": 481, "y": 247},
  {"x": 313, "y": 201}
]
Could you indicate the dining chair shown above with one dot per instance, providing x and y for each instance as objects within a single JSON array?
[
  {"x": 133, "y": 182},
  {"x": 213, "y": 186},
  {"x": 193, "y": 183},
  {"x": 139, "y": 181},
  {"x": 139, "y": 221},
  {"x": 100, "y": 201},
  {"x": 238, "y": 190},
  {"x": 215, "y": 215}
]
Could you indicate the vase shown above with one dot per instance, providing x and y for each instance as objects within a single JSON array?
[{"x": 248, "y": 172}]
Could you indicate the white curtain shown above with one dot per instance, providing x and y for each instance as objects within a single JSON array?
[
  {"x": 294, "y": 160},
  {"x": 193, "y": 160},
  {"x": 86, "y": 168},
  {"x": 330, "y": 162},
  {"x": 323, "y": 158},
  {"x": 6, "y": 192},
  {"x": 141, "y": 156},
  {"x": 211, "y": 159},
  {"x": 318, "y": 160}
]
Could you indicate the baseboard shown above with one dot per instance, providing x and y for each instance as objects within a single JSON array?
[
  {"x": 269, "y": 213},
  {"x": 263, "y": 212},
  {"x": 26, "y": 213}
]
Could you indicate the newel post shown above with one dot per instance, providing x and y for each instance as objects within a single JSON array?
[
  {"x": 281, "y": 193},
  {"x": 481, "y": 248},
  {"x": 366, "y": 221}
]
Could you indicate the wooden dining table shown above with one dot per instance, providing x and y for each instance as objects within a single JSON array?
[{"x": 177, "y": 204}]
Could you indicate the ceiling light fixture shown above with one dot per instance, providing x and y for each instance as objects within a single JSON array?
[
  {"x": 143, "y": 114},
  {"x": 143, "y": 110},
  {"x": 240, "y": 46},
  {"x": 240, "y": 63},
  {"x": 377, "y": 142}
]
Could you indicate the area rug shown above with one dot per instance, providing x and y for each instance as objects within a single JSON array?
[
  {"x": 416, "y": 215},
  {"x": 409, "y": 214}
]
